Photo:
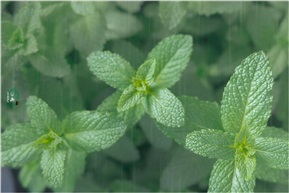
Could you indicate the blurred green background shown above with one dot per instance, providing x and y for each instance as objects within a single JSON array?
[{"x": 44, "y": 47}]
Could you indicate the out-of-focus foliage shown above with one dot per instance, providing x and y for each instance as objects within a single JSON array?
[{"x": 44, "y": 49}]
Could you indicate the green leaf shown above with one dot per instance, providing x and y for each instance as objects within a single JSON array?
[
  {"x": 121, "y": 25},
  {"x": 278, "y": 57},
  {"x": 123, "y": 150},
  {"x": 210, "y": 8},
  {"x": 82, "y": 8},
  {"x": 28, "y": 17},
  {"x": 274, "y": 152},
  {"x": 12, "y": 36},
  {"x": 146, "y": 71},
  {"x": 130, "y": 116},
  {"x": 129, "y": 98},
  {"x": 73, "y": 169},
  {"x": 247, "y": 98},
  {"x": 111, "y": 68},
  {"x": 198, "y": 115},
  {"x": 92, "y": 131},
  {"x": 177, "y": 175},
  {"x": 266, "y": 173},
  {"x": 245, "y": 164},
  {"x": 123, "y": 185},
  {"x": 275, "y": 132},
  {"x": 88, "y": 33},
  {"x": 42, "y": 117},
  {"x": 225, "y": 177},
  {"x": 52, "y": 164},
  {"x": 48, "y": 141},
  {"x": 172, "y": 13},
  {"x": 165, "y": 108},
  {"x": 172, "y": 55},
  {"x": 50, "y": 63},
  {"x": 17, "y": 144},
  {"x": 211, "y": 143},
  {"x": 31, "y": 177}
]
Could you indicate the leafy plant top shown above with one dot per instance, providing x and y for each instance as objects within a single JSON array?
[
  {"x": 147, "y": 88},
  {"x": 245, "y": 110}
]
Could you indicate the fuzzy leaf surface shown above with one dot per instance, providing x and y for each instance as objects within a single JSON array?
[
  {"x": 172, "y": 55},
  {"x": 129, "y": 98},
  {"x": 211, "y": 143},
  {"x": 111, "y": 68},
  {"x": 225, "y": 177},
  {"x": 247, "y": 98}
]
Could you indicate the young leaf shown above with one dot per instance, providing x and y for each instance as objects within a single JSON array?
[
  {"x": 198, "y": 115},
  {"x": 172, "y": 55},
  {"x": 129, "y": 98},
  {"x": 247, "y": 98},
  {"x": 28, "y": 17},
  {"x": 226, "y": 177},
  {"x": 171, "y": 13},
  {"x": 165, "y": 108},
  {"x": 92, "y": 131},
  {"x": 52, "y": 164},
  {"x": 146, "y": 71},
  {"x": 42, "y": 117},
  {"x": 73, "y": 168},
  {"x": 274, "y": 152},
  {"x": 130, "y": 116},
  {"x": 17, "y": 144},
  {"x": 111, "y": 68},
  {"x": 211, "y": 143},
  {"x": 246, "y": 165}
]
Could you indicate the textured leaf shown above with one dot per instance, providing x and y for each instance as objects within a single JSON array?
[
  {"x": 129, "y": 98},
  {"x": 17, "y": 144},
  {"x": 165, "y": 108},
  {"x": 209, "y": 8},
  {"x": 181, "y": 172},
  {"x": 111, "y": 68},
  {"x": 42, "y": 117},
  {"x": 28, "y": 17},
  {"x": 171, "y": 13},
  {"x": 146, "y": 71},
  {"x": 225, "y": 177},
  {"x": 273, "y": 151},
  {"x": 266, "y": 173},
  {"x": 172, "y": 55},
  {"x": 12, "y": 36},
  {"x": 82, "y": 8},
  {"x": 211, "y": 143},
  {"x": 92, "y": 131},
  {"x": 130, "y": 116},
  {"x": 246, "y": 165},
  {"x": 73, "y": 169},
  {"x": 88, "y": 33},
  {"x": 247, "y": 98},
  {"x": 154, "y": 135},
  {"x": 123, "y": 150},
  {"x": 52, "y": 164},
  {"x": 121, "y": 25},
  {"x": 198, "y": 115}
]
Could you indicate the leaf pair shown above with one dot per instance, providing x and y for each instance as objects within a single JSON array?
[
  {"x": 146, "y": 88},
  {"x": 58, "y": 142},
  {"x": 245, "y": 110}
]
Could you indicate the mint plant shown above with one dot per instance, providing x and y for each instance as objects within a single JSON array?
[
  {"x": 245, "y": 109},
  {"x": 146, "y": 88},
  {"x": 60, "y": 147}
]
